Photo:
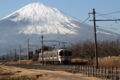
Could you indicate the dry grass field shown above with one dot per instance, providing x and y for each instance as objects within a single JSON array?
[
  {"x": 111, "y": 61},
  {"x": 23, "y": 62},
  {"x": 15, "y": 73}
]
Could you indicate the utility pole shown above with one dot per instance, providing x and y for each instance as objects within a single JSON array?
[
  {"x": 53, "y": 46},
  {"x": 28, "y": 51},
  {"x": 3, "y": 57},
  {"x": 42, "y": 47},
  {"x": 94, "y": 21},
  {"x": 15, "y": 55},
  {"x": 42, "y": 51},
  {"x": 95, "y": 38},
  {"x": 63, "y": 44},
  {"x": 7, "y": 57},
  {"x": 20, "y": 53},
  {"x": 10, "y": 56}
]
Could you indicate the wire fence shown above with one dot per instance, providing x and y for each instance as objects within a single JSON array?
[{"x": 106, "y": 73}]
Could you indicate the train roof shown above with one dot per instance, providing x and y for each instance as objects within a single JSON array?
[{"x": 56, "y": 50}]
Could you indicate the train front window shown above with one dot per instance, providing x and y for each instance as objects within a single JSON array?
[
  {"x": 65, "y": 53},
  {"x": 61, "y": 53},
  {"x": 68, "y": 53}
]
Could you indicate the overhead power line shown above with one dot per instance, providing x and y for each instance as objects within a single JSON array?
[
  {"x": 105, "y": 16},
  {"x": 109, "y": 13},
  {"x": 107, "y": 20},
  {"x": 75, "y": 27}
]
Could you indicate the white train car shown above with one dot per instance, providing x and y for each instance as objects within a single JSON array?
[{"x": 60, "y": 56}]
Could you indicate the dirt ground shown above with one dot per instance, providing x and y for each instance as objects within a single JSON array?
[{"x": 15, "y": 73}]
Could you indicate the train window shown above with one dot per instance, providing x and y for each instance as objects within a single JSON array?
[
  {"x": 69, "y": 53},
  {"x": 66, "y": 53},
  {"x": 61, "y": 53}
]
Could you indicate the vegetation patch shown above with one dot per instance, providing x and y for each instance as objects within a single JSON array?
[{"x": 24, "y": 77}]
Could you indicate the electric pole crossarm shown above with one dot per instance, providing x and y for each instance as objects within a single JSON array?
[
  {"x": 51, "y": 41},
  {"x": 107, "y": 20}
]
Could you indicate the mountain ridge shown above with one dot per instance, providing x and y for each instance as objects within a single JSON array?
[{"x": 36, "y": 19}]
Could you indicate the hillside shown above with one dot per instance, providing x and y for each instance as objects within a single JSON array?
[{"x": 36, "y": 19}]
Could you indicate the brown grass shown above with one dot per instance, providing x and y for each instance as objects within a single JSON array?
[
  {"x": 110, "y": 61},
  {"x": 14, "y": 73},
  {"x": 6, "y": 72},
  {"x": 29, "y": 62},
  {"x": 79, "y": 60}
]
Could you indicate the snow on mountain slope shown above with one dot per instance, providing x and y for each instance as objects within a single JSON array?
[
  {"x": 38, "y": 16},
  {"x": 37, "y": 19}
]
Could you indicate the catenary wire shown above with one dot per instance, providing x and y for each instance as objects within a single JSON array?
[
  {"x": 108, "y": 13},
  {"x": 74, "y": 28}
]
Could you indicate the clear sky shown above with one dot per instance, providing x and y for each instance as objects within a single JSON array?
[{"x": 76, "y": 8}]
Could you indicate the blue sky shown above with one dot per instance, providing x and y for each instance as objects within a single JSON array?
[{"x": 76, "y": 8}]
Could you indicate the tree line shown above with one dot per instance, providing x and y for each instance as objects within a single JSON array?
[{"x": 86, "y": 49}]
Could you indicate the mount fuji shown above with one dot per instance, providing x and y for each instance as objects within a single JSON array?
[{"x": 36, "y": 19}]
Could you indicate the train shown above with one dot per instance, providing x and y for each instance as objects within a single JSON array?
[{"x": 56, "y": 56}]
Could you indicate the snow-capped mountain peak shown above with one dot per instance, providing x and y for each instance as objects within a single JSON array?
[
  {"x": 37, "y": 19},
  {"x": 35, "y": 12},
  {"x": 43, "y": 19}
]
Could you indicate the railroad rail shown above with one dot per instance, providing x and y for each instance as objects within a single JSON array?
[{"x": 43, "y": 67}]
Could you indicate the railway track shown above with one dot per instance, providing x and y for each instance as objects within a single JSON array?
[
  {"x": 101, "y": 72},
  {"x": 68, "y": 68}
]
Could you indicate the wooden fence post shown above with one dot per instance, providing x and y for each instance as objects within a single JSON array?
[
  {"x": 93, "y": 71},
  {"x": 112, "y": 73},
  {"x": 103, "y": 72},
  {"x": 112, "y": 69},
  {"x": 115, "y": 73}
]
